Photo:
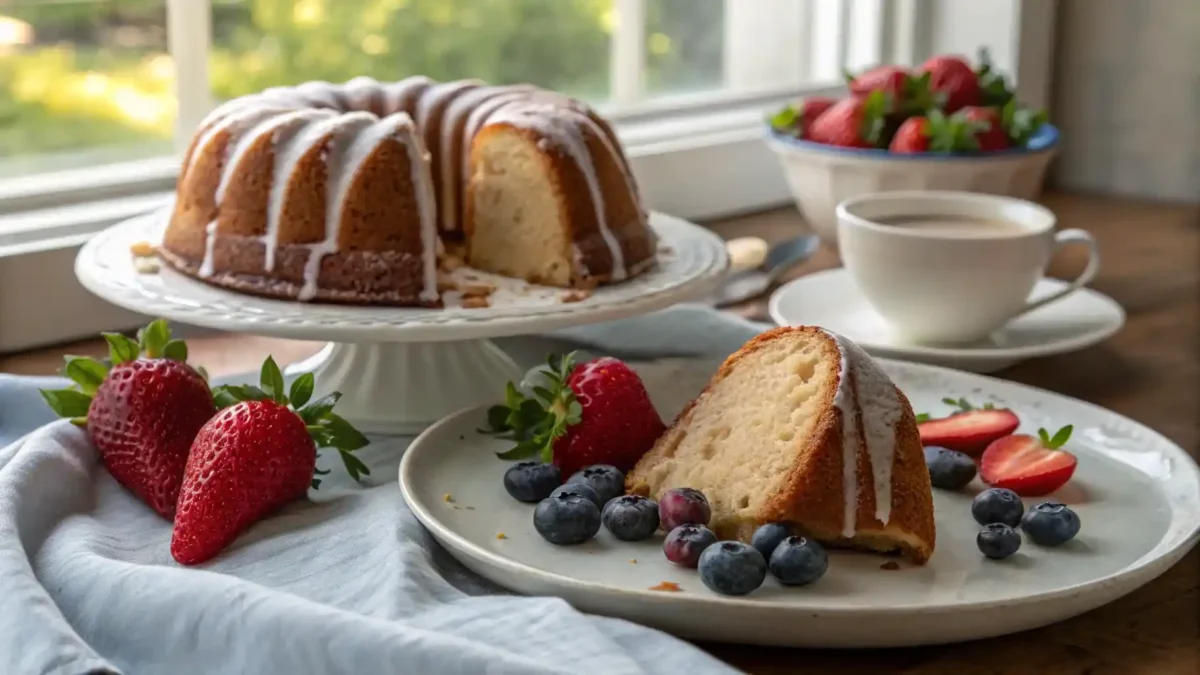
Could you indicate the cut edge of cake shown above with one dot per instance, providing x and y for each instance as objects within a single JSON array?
[{"x": 766, "y": 441}]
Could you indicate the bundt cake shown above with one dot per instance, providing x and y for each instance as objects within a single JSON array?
[
  {"x": 349, "y": 193},
  {"x": 801, "y": 426}
]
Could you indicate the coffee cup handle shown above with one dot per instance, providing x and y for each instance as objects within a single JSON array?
[{"x": 1066, "y": 238}]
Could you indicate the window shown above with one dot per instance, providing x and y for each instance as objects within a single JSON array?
[{"x": 97, "y": 97}]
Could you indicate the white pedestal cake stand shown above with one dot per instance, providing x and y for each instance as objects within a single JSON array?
[{"x": 401, "y": 369}]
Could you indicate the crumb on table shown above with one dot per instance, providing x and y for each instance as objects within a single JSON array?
[
  {"x": 501, "y": 535},
  {"x": 576, "y": 296},
  {"x": 633, "y": 561},
  {"x": 890, "y": 565},
  {"x": 448, "y": 498},
  {"x": 670, "y": 586}
]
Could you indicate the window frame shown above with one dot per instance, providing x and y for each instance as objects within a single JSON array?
[{"x": 698, "y": 156}]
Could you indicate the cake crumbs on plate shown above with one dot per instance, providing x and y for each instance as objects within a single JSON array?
[
  {"x": 143, "y": 249},
  {"x": 146, "y": 265},
  {"x": 576, "y": 296},
  {"x": 448, "y": 498},
  {"x": 670, "y": 586},
  {"x": 633, "y": 561},
  {"x": 476, "y": 303},
  {"x": 501, "y": 535},
  {"x": 890, "y": 565}
]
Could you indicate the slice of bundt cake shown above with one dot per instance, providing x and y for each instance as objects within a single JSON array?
[{"x": 801, "y": 426}]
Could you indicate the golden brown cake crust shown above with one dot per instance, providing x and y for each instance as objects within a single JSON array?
[
  {"x": 227, "y": 191},
  {"x": 811, "y": 496}
]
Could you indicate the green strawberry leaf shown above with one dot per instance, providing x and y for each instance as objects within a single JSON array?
[
  {"x": 202, "y": 372},
  {"x": 176, "y": 350},
  {"x": 354, "y": 466},
  {"x": 67, "y": 402},
  {"x": 535, "y": 422},
  {"x": 786, "y": 120},
  {"x": 271, "y": 381},
  {"x": 1059, "y": 438},
  {"x": 923, "y": 417},
  {"x": 302, "y": 390},
  {"x": 319, "y": 409},
  {"x": 343, "y": 435},
  {"x": 229, "y": 394},
  {"x": 152, "y": 340},
  {"x": 121, "y": 349},
  {"x": 87, "y": 373}
]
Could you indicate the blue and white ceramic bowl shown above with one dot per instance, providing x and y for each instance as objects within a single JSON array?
[{"x": 821, "y": 176}]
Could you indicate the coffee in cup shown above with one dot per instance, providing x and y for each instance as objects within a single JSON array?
[{"x": 952, "y": 267}]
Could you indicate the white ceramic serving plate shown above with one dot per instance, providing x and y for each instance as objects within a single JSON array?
[
  {"x": 1137, "y": 494},
  {"x": 830, "y": 299}
]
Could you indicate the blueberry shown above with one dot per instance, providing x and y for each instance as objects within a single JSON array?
[
  {"x": 998, "y": 541},
  {"x": 581, "y": 490},
  {"x": 1050, "y": 524},
  {"x": 768, "y": 536},
  {"x": 798, "y": 561},
  {"x": 948, "y": 469},
  {"x": 732, "y": 568},
  {"x": 683, "y": 506},
  {"x": 631, "y": 517},
  {"x": 531, "y": 481},
  {"x": 566, "y": 517},
  {"x": 685, "y": 543},
  {"x": 606, "y": 480},
  {"x": 997, "y": 505}
]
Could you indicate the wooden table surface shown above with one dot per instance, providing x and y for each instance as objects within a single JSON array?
[{"x": 1150, "y": 372}]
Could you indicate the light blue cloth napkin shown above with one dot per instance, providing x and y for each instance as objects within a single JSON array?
[{"x": 346, "y": 583}]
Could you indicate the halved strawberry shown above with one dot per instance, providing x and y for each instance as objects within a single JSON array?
[
  {"x": 1031, "y": 466},
  {"x": 970, "y": 431}
]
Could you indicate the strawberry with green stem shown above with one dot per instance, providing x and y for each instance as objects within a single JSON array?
[
  {"x": 253, "y": 457},
  {"x": 597, "y": 412},
  {"x": 142, "y": 407},
  {"x": 1031, "y": 466}
]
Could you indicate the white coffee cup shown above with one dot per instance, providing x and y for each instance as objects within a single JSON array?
[{"x": 952, "y": 267}]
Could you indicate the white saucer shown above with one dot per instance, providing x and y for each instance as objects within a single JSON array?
[
  {"x": 831, "y": 300},
  {"x": 1136, "y": 493}
]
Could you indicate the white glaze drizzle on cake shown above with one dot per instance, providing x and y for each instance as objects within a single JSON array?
[
  {"x": 210, "y": 241},
  {"x": 462, "y": 107},
  {"x": 354, "y": 137},
  {"x": 290, "y": 148},
  {"x": 866, "y": 397},
  {"x": 561, "y": 124}
]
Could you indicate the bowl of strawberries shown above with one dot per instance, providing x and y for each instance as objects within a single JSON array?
[{"x": 947, "y": 125}]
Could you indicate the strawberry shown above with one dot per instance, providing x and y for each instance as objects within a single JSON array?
[
  {"x": 970, "y": 430},
  {"x": 936, "y": 133},
  {"x": 256, "y": 455},
  {"x": 1020, "y": 123},
  {"x": 891, "y": 80},
  {"x": 795, "y": 118},
  {"x": 905, "y": 94},
  {"x": 989, "y": 132},
  {"x": 595, "y": 413},
  {"x": 953, "y": 77},
  {"x": 1031, "y": 466},
  {"x": 857, "y": 122},
  {"x": 142, "y": 408}
]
